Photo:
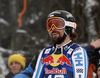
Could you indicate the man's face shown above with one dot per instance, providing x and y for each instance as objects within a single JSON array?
[{"x": 55, "y": 28}]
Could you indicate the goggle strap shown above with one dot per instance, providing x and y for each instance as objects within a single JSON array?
[{"x": 71, "y": 24}]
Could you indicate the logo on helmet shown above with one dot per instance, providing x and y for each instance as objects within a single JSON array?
[{"x": 69, "y": 15}]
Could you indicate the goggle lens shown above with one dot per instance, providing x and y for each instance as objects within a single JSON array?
[{"x": 54, "y": 22}]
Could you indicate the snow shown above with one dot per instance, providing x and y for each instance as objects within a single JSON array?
[
  {"x": 21, "y": 31},
  {"x": 4, "y": 22},
  {"x": 5, "y": 50},
  {"x": 32, "y": 21},
  {"x": 41, "y": 40},
  {"x": 83, "y": 44},
  {"x": 91, "y": 3},
  {"x": 2, "y": 60},
  {"x": 3, "y": 65},
  {"x": 33, "y": 38},
  {"x": 36, "y": 42},
  {"x": 90, "y": 19}
]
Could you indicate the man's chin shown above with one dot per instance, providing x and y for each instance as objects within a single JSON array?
[
  {"x": 57, "y": 41},
  {"x": 54, "y": 39}
]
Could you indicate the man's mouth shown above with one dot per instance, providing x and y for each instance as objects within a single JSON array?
[{"x": 54, "y": 34}]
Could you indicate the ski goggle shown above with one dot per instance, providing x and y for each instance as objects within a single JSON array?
[{"x": 59, "y": 23}]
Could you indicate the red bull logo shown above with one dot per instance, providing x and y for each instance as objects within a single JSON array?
[
  {"x": 56, "y": 71},
  {"x": 48, "y": 60},
  {"x": 55, "y": 60},
  {"x": 63, "y": 59}
]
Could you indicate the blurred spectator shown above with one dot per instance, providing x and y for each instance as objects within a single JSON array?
[
  {"x": 16, "y": 63},
  {"x": 93, "y": 62},
  {"x": 92, "y": 47},
  {"x": 1, "y": 74},
  {"x": 91, "y": 69},
  {"x": 98, "y": 72},
  {"x": 94, "y": 58}
]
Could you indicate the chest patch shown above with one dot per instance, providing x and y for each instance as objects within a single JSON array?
[{"x": 56, "y": 59}]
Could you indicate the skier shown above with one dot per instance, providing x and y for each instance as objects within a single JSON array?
[{"x": 64, "y": 59}]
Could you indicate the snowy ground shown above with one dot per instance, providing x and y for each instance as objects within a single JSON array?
[{"x": 3, "y": 65}]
